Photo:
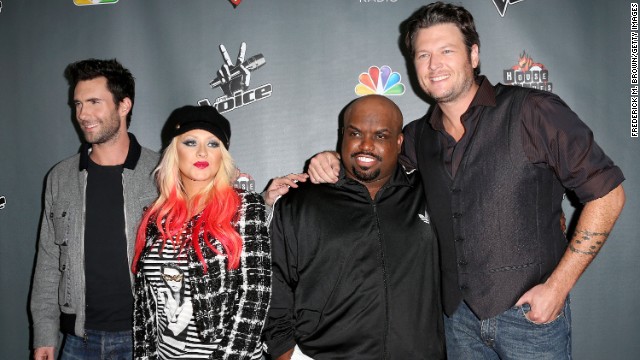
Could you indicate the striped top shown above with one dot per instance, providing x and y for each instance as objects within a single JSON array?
[
  {"x": 182, "y": 312},
  {"x": 167, "y": 275}
]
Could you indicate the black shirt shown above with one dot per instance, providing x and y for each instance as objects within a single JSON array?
[{"x": 109, "y": 298}]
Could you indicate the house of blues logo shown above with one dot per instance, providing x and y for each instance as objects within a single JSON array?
[
  {"x": 528, "y": 73},
  {"x": 245, "y": 182},
  {"x": 234, "y": 80}
]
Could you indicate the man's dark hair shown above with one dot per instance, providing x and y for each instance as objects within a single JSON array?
[
  {"x": 441, "y": 13},
  {"x": 120, "y": 82}
]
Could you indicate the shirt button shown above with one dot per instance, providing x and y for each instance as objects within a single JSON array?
[{"x": 457, "y": 215}]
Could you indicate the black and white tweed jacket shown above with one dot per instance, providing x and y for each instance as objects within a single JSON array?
[{"x": 228, "y": 306}]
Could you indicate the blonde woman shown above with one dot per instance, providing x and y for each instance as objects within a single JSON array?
[{"x": 215, "y": 236}]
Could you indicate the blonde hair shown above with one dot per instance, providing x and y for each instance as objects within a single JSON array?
[
  {"x": 168, "y": 178},
  {"x": 173, "y": 209}
]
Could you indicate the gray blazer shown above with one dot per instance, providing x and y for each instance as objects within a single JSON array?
[{"x": 59, "y": 279}]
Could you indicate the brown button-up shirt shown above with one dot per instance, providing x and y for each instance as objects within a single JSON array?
[{"x": 552, "y": 135}]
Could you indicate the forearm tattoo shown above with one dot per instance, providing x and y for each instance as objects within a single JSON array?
[{"x": 589, "y": 242}]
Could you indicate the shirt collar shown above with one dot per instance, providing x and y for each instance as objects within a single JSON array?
[
  {"x": 133, "y": 155},
  {"x": 485, "y": 96}
]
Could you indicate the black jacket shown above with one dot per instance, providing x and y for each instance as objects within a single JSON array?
[{"x": 355, "y": 278}]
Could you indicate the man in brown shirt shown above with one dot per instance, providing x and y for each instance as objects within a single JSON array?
[{"x": 495, "y": 162}]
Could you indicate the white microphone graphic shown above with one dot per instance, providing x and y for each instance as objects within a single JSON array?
[{"x": 250, "y": 64}]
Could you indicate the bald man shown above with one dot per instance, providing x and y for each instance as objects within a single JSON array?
[{"x": 355, "y": 263}]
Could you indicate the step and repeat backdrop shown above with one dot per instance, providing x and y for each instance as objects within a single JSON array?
[{"x": 306, "y": 59}]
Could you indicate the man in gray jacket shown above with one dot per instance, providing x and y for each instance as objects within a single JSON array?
[{"x": 93, "y": 204}]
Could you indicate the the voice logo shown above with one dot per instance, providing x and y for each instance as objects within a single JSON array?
[{"x": 234, "y": 80}]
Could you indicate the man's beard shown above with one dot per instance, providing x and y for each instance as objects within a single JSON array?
[
  {"x": 109, "y": 132},
  {"x": 364, "y": 176}
]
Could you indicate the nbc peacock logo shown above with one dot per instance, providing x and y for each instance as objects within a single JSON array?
[{"x": 381, "y": 81}]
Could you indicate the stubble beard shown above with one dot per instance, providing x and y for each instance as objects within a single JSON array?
[
  {"x": 457, "y": 90},
  {"x": 454, "y": 93},
  {"x": 108, "y": 133}
]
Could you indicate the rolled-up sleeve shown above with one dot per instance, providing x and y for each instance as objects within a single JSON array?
[{"x": 554, "y": 135}]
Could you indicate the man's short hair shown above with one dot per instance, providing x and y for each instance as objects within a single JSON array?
[
  {"x": 442, "y": 13},
  {"x": 120, "y": 83}
]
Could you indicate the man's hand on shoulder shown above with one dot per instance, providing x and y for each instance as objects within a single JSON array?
[
  {"x": 281, "y": 185},
  {"x": 324, "y": 167}
]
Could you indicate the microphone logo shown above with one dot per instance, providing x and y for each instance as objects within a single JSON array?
[
  {"x": 3, "y": 202},
  {"x": 234, "y": 80}
]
